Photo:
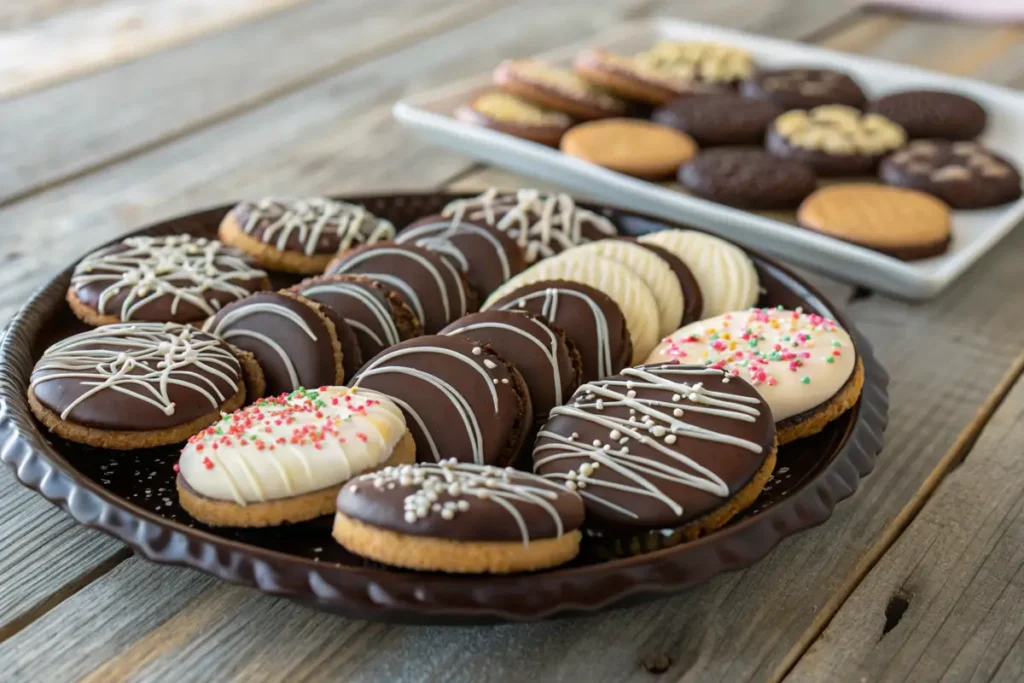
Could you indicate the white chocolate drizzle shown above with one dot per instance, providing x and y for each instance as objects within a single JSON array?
[
  {"x": 311, "y": 218},
  {"x": 429, "y": 237},
  {"x": 378, "y": 309}
]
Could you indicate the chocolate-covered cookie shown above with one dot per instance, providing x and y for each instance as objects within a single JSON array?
[
  {"x": 487, "y": 256},
  {"x": 460, "y": 399},
  {"x": 693, "y": 300},
  {"x": 933, "y": 114},
  {"x": 834, "y": 140},
  {"x": 374, "y": 311},
  {"x": 549, "y": 363},
  {"x": 178, "y": 278},
  {"x": 661, "y": 447},
  {"x": 964, "y": 174},
  {"x": 541, "y": 224},
  {"x": 590, "y": 318},
  {"x": 435, "y": 289},
  {"x": 511, "y": 114},
  {"x": 748, "y": 178},
  {"x": 555, "y": 88},
  {"x": 804, "y": 88},
  {"x": 291, "y": 337},
  {"x": 722, "y": 119}
]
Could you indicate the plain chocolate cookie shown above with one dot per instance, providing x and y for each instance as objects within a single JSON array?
[
  {"x": 933, "y": 114},
  {"x": 725, "y": 119},
  {"x": 748, "y": 178},
  {"x": 804, "y": 88}
]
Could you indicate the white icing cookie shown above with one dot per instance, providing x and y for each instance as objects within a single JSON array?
[
  {"x": 654, "y": 271},
  {"x": 618, "y": 282},
  {"x": 289, "y": 445},
  {"x": 726, "y": 275},
  {"x": 797, "y": 361}
]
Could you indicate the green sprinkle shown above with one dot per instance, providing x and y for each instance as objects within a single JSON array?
[
  {"x": 713, "y": 337},
  {"x": 252, "y": 438},
  {"x": 806, "y": 380},
  {"x": 835, "y": 344},
  {"x": 779, "y": 308},
  {"x": 830, "y": 359},
  {"x": 219, "y": 431}
]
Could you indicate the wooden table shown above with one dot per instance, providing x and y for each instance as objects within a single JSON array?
[{"x": 918, "y": 577}]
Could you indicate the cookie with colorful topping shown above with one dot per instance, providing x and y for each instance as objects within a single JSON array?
[
  {"x": 459, "y": 518},
  {"x": 804, "y": 365},
  {"x": 283, "y": 460}
]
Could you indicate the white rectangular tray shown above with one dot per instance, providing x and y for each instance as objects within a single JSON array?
[{"x": 974, "y": 232}]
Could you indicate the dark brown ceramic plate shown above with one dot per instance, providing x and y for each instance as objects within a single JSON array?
[{"x": 131, "y": 495}]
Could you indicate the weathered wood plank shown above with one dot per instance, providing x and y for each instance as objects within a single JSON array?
[{"x": 947, "y": 601}]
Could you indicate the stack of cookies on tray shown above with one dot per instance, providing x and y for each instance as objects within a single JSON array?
[
  {"x": 763, "y": 139},
  {"x": 470, "y": 393}
]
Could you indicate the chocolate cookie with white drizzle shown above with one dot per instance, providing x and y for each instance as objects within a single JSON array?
[{"x": 662, "y": 452}]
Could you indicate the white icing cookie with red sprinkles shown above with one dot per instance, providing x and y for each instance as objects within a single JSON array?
[{"x": 283, "y": 459}]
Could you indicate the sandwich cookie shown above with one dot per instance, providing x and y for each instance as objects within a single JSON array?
[
  {"x": 558, "y": 89},
  {"x": 693, "y": 300},
  {"x": 726, "y": 275},
  {"x": 660, "y": 453},
  {"x": 291, "y": 337},
  {"x": 283, "y": 460},
  {"x": 301, "y": 235},
  {"x": 933, "y": 114},
  {"x": 633, "y": 297},
  {"x": 485, "y": 255},
  {"x": 591, "y": 319},
  {"x": 460, "y": 399},
  {"x": 434, "y": 288},
  {"x": 541, "y": 224},
  {"x": 460, "y": 518},
  {"x": 179, "y": 278},
  {"x": 510, "y": 114},
  {"x": 139, "y": 385},
  {"x": 804, "y": 88},
  {"x": 805, "y": 366},
  {"x": 639, "y": 77}
]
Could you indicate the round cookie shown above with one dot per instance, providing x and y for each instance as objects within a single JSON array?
[
  {"x": 507, "y": 113},
  {"x": 374, "y": 311},
  {"x": 660, "y": 453},
  {"x": 804, "y": 365},
  {"x": 178, "y": 278},
  {"x": 719, "y": 119},
  {"x": 748, "y": 178},
  {"x": 633, "y": 297},
  {"x": 283, "y": 460},
  {"x": 460, "y": 518},
  {"x": 541, "y": 224},
  {"x": 933, "y": 114},
  {"x": 834, "y": 140},
  {"x": 906, "y": 224},
  {"x": 550, "y": 364},
  {"x": 631, "y": 146},
  {"x": 487, "y": 256},
  {"x": 435, "y": 289},
  {"x": 963, "y": 174},
  {"x": 301, "y": 235},
  {"x": 290, "y": 336},
  {"x": 704, "y": 62},
  {"x": 727, "y": 277},
  {"x": 640, "y": 79},
  {"x": 693, "y": 300},
  {"x": 804, "y": 88},
  {"x": 591, "y": 319},
  {"x": 557, "y": 89},
  {"x": 649, "y": 267},
  {"x": 460, "y": 399},
  {"x": 138, "y": 385}
]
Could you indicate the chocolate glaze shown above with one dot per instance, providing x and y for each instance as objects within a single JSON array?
[
  {"x": 369, "y": 499},
  {"x": 485, "y": 254},
  {"x": 267, "y": 212},
  {"x": 351, "y": 354},
  {"x": 274, "y": 317},
  {"x": 803, "y": 88},
  {"x": 693, "y": 300},
  {"x": 574, "y": 314},
  {"x": 733, "y": 464}
]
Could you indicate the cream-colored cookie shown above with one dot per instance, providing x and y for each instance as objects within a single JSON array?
[
  {"x": 614, "y": 279},
  {"x": 726, "y": 275}
]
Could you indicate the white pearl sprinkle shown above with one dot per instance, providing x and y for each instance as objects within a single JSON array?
[
  {"x": 477, "y": 350},
  {"x": 615, "y": 435},
  {"x": 489, "y": 364},
  {"x": 670, "y": 439},
  {"x": 678, "y": 412}
]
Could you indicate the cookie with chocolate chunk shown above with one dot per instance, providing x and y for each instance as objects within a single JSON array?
[
  {"x": 933, "y": 114},
  {"x": 748, "y": 178},
  {"x": 804, "y": 88}
]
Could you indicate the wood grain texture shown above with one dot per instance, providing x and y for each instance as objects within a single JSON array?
[{"x": 947, "y": 601}]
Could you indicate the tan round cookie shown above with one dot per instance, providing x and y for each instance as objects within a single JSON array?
[
  {"x": 508, "y": 113},
  {"x": 903, "y": 223},
  {"x": 631, "y": 146},
  {"x": 555, "y": 88},
  {"x": 629, "y": 292}
]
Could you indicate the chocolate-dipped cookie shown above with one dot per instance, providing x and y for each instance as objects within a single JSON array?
[
  {"x": 291, "y": 337},
  {"x": 460, "y": 399},
  {"x": 933, "y": 114},
  {"x": 459, "y": 517},
  {"x": 550, "y": 364},
  {"x": 661, "y": 453},
  {"x": 590, "y": 318},
  {"x": 434, "y": 288},
  {"x": 138, "y": 385},
  {"x": 511, "y": 114},
  {"x": 693, "y": 300},
  {"x": 541, "y": 224},
  {"x": 748, "y": 178},
  {"x": 964, "y": 174},
  {"x": 374, "y": 311},
  {"x": 804, "y": 88},
  {"x": 301, "y": 235},
  {"x": 719, "y": 119},
  {"x": 487, "y": 256},
  {"x": 178, "y": 278}
]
